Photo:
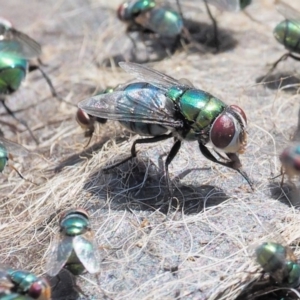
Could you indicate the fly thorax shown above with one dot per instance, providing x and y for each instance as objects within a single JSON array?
[
  {"x": 74, "y": 223},
  {"x": 228, "y": 133},
  {"x": 127, "y": 11}
]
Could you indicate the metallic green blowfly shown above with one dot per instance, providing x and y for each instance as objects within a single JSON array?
[
  {"x": 287, "y": 32},
  {"x": 16, "y": 49},
  {"x": 74, "y": 248},
  {"x": 163, "y": 107},
  {"x": 26, "y": 283},
  {"x": 280, "y": 262},
  {"x": 147, "y": 14}
]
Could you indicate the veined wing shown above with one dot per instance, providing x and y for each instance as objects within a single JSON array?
[
  {"x": 13, "y": 148},
  {"x": 60, "y": 252},
  {"x": 87, "y": 252},
  {"x": 146, "y": 105},
  {"x": 228, "y": 5},
  {"x": 17, "y": 43},
  {"x": 288, "y": 12},
  {"x": 150, "y": 75}
]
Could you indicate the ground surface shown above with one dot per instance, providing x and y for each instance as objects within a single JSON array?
[{"x": 200, "y": 248}]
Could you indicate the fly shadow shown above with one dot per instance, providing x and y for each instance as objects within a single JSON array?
[
  {"x": 285, "y": 81},
  {"x": 86, "y": 153},
  {"x": 140, "y": 185},
  {"x": 287, "y": 194},
  {"x": 150, "y": 47},
  {"x": 63, "y": 286},
  {"x": 265, "y": 290}
]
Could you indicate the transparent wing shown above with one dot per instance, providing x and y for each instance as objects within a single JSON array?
[
  {"x": 17, "y": 43},
  {"x": 288, "y": 12},
  {"x": 159, "y": 20},
  {"x": 146, "y": 105},
  {"x": 150, "y": 75},
  {"x": 60, "y": 252},
  {"x": 228, "y": 5},
  {"x": 87, "y": 252},
  {"x": 13, "y": 148}
]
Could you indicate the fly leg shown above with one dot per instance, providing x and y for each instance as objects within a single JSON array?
[
  {"x": 282, "y": 58},
  {"x": 234, "y": 162},
  {"x": 49, "y": 82},
  {"x": 215, "y": 26},
  {"x": 174, "y": 150},
  {"x": 140, "y": 141},
  {"x": 9, "y": 111}
]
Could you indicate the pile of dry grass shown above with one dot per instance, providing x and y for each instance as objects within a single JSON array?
[{"x": 200, "y": 249}]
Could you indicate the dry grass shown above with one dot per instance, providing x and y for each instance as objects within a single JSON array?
[{"x": 200, "y": 249}]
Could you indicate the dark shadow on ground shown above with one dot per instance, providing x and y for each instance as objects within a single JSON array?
[
  {"x": 150, "y": 47},
  {"x": 63, "y": 286},
  {"x": 265, "y": 290},
  {"x": 285, "y": 81},
  {"x": 140, "y": 185},
  {"x": 287, "y": 194},
  {"x": 86, "y": 153}
]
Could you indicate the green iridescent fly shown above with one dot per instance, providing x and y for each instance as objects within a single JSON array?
[
  {"x": 16, "y": 49},
  {"x": 75, "y": 248},
  {"x": 162, "y": 107},
  {"x": 28, "y": 284},
  {"x": 148, "y": 14},
  {"x": 287, "y": 32},
  {"x": 280, "y": 262}
]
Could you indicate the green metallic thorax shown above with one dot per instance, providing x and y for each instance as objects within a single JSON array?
[
  {"x": 271, "y": 256},
  {"x": 199, "y": 108},
  {"x": 287, "y": 33},
  {"x": 12, "y": 72},
  {"x": 138, "y": 7},
  {"x": 74, "y": 224},
  {"x": 23, "y": 280},
  {"x": 3, "y": 158}
]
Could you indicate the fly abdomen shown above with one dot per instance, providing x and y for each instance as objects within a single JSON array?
[
  {"x": 145, "y": 128},
  {"x": 12, "y": 72},
  {"x": 287, "y": 33}
]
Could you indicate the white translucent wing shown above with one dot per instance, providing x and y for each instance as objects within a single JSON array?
[
  {"x": 87, "y": 252},
  {"x": 60, "y": 252},
  {"x": 17, "y": 43},
  {"x": 287, "y": 11},
  {"x": 13, "y": 148},
  {"x": 145, "y": 105},
  {"x": 228, "y": 5},
  {"x": 150, "y": 75}
]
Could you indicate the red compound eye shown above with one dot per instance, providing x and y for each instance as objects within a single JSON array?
[
  {"x": 223, "y": 131},
  {"x": 239, "y": 111},
  {"x": 82, "y": 118},
  {"x": 35, "y": 290},
  {"x": 120, "y": 11}
]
